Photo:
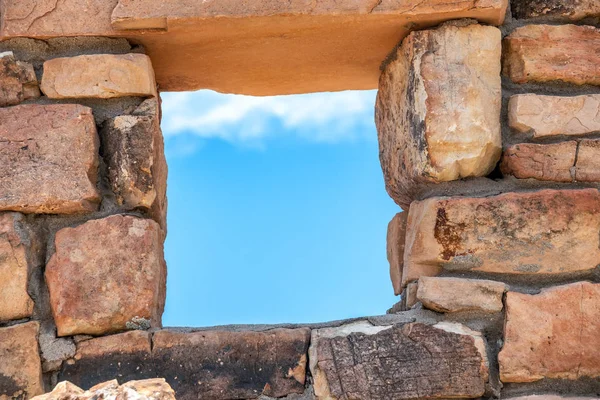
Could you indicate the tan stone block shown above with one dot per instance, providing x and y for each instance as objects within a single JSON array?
[
  {"x": 101, "y": 76},
  {"x": 134, "y": 152},
  {"x": 456, "y": 294},
  {"x": 587, "y": 168},
  {"x": 107, "y": 275},
  {"x": 15, "y": 302},
  {"x": 147, "y": 389},
  {"x": 548, "y": 162},
  {"x": 438, "y": 108},
  {"x": 122, "y": 343},
  {"x": 21, "y": 367},
  {"x": 553, "y": 334},
  {"x": 48, "y": 159},
  {"x": 554, "y": 115},
  {"x": 411, "y": 295},
  {"x": 17, "y": 80},
  {"x": 556, "y": 10},
  {"x": 514, "y": 233},
  {"x": 361, "y": 361},
  {"x": 544, "y": 53},
  {"x": 395, "y": 249}
]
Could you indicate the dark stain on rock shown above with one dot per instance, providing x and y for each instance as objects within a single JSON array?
[
  {"x": 10, "y": 388},
  {"x": 540, "y": 8},
  {"x": 448, "y": 235}
]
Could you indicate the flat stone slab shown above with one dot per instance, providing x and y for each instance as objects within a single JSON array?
[
  {"x": 48, "y": 159},
  {"x": 531, "y": 233},
  {"x": 204, "y": 364},
  {"x": 253, "y": 47},
  {"x": 553, "y": 334}
]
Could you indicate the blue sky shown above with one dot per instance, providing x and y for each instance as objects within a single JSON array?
[{"x": 277, "y": 209}]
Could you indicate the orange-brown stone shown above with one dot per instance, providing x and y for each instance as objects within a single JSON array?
[
  {"x": 263, "y": 47},
  {"x": 17, "y": 80},
  {"x": 543, "y": 53},
  {"x": 15, "y": 302},
  {"x": 514, "y": 233},
  {"x": 48, "y": 159},
  {"x": 457, "y": 294},
  {"x": 425, "y": 134},
  {"x": 20, "y": 364},
  {"x": 107, "y": 275},
  {"x": 545, "y": 162},
  {"x": 554, "y": 334},
  {"x": 101, "y": 76},
  {"x": 395, "y": 249}
]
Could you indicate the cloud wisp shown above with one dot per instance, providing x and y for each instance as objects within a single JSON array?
[{"x": 247, "y": 120}]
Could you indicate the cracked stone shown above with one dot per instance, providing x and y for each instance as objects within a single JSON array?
[
  {"x": 554, "y": 115},
  {"x": 101, "y": 76},
  {"x": 15, "y": 302},
  {"x": 533, "y": 233},
  {"x": 456, "y": 294},
  {"x": 361, "y": 361},
  {"x": 425, "y": 135},
  {"x": 134, "y": 152},
  {"x": 48, "y": 159},
  {"x": 105, "y": 274},
  {"x": 545, "y": 53},
  {"x": 556, "y": 10},
  {"x": 553, "y": 334},
  {"x": 17, "y": 81},
  {"x": 21, "y": 367}
]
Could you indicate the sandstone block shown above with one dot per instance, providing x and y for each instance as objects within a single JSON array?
[
  {"x": 147, "y": 389},
  {"x": 411, "y": 295},
  {"x": 551, "y": 397},
  {"x": 360, "y": 361},
  {"x": 107, "y": 275},
  {"x": 561, "y": 162},
  {"x": 215, "y": 364},
  {"x": 513, "y": 233},
  {"x": 395, "y": 249},
  {"x": 48, "y": 159},
  {"x": 101, "y": 76},
  {"x": 134, "y": 152},
  {"x": 21, "y": 367},
  {"x": 456, "y": 294},
  {"x": 15, "y": 302},
  {"x": 438, "y": 108},
  {"x": 548, "y": 162},
  {"x": 543, "y": 53},
  {"x": 554, "y": 115},
  {"x": 553, "y": 334},
  {"x": 557, "y": 10},
  {"x": 17, "y": 80}
]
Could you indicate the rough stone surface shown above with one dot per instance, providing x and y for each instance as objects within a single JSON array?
[
  {"x": 456, "y": 294},
  {"x": 54, "y": 350},
  {"x": 561, "y": 162},
  {"x": 148, "y": 389},
  {"x": 21, "y": 368},
  {"x": 17, "y": 80},
  {"x": 107, "y": 275},
  {"x": 48, "y": 159},
  {"x": 557, "y": 10},
  {"x": 438, "y": 108},
  {"x": 411, "y": 295},
  {"x": 15, "y": 302},
  {"x": 215, "y": 364},
  {"x": 264, "y": 47},
  {"x": 101, "y": 76},
  {"x": 395, "y": 249},
  {"x": 361, "y": 361},
  {"x": 514, "y": 233},
  {"x": 554, "y": 115},
  {"x": 137, "y": 169},
  {"x": 543, "y": 53},
  {"x": 548, "y": 162},
  {"x": 551, "y": 397},
  {"x": 554, "y": 334}
]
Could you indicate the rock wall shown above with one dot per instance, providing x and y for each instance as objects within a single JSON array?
[{"x": 489, "y": 139}]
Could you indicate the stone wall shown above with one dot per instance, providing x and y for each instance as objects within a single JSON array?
[{"x": 488, "y": 137}]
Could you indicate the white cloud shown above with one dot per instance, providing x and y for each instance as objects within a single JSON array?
[{"x": 320, "y": 117}]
